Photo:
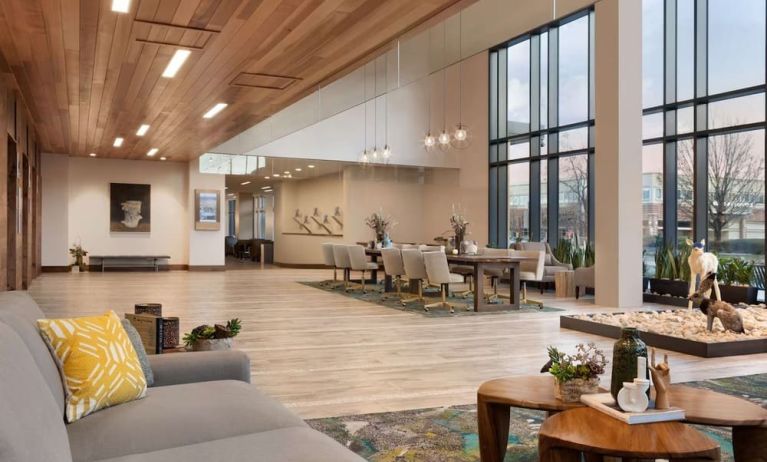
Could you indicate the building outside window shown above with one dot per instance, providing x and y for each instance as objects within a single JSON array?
[{"x": 541, "y": 134}]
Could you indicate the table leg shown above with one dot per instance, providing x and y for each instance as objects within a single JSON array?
[
  {"x": 493, "y": 422},
  {"x": 549, "y": 452},
  {"x": 388, "y": 284},
  {"x": 479, "y": 286},
  {"x": 514, "y": 285},
  {"x": 749, "y": 444}
]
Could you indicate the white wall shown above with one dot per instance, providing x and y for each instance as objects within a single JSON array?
[{"x": 55, "y": 223}]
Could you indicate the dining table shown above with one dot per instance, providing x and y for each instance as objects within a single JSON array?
[{"x": 480, "y": 265}]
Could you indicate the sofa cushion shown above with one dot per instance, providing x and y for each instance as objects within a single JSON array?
[
  {"x": 99, "y": 366},
  {"x": 177, "y": 415},
  {"x": 19, "y": 311},
  {"x": 135, "y": 340},
  {"x": 31, "y": 424},
  {"x": 283, "y": 445}
]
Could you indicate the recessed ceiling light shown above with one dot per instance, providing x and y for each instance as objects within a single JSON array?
[
  {"x": 266, "y": 187},
  {"x": 175, "y": 63},
  {"x": 118, "y": 142},
  {"x": 142, "y": 130},
  {"x": 276, "y": 175},
  {"x": 310, "y": 166},
  {"x": 214, "y": 110},
  {"x": 152, "y": 152},
  {"x": 93, "y": 154},
  {"x": 266, "y": 177},
  {"x": 298, "y": 169},
  {"x": 163, "y": 158},
  {"x": 286, "y": 172},
  {"x": 245, "y": 183},
  {"x": 120, "y": 6}
]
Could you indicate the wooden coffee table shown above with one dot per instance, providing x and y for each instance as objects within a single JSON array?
[
  {"x": 496, "y": 397},
  {"x": 564, "y": 436}
]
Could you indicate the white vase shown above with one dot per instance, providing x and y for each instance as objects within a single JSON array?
[{"x": 633, "y": 396}]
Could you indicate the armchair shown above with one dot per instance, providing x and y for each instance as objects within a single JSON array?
[{"x": 550, "y": 264}]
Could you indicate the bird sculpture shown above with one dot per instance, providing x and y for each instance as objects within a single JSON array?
[{"x": 727, "y": 314}]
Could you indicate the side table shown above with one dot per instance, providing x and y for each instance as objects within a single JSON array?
[{"x": 564, "y": 283}]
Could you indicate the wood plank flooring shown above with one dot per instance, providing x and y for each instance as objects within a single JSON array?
[{"x": 325, "y": 354}]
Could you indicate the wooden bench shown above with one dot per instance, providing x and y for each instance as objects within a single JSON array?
[{"x": 130, "y": 261}]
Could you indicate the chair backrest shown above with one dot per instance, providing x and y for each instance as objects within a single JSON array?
[
  {"x": 231, "y": 241},
  {"x": 392, "y": 261},
  {"x": 408, "y": 246},
  {"x": 437, "y": 269},
  {"x": 341, "y": 256},
  {"x": 431, "y": 248},
  {"x": 327, "y": 254},
  {"x": 412, "y": 260},
  {"x": 531, "y": 246},
  {"x": 357, "y": 258},
  {"x": 534, "y": 264}
]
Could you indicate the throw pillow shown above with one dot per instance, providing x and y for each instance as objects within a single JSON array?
[
  {"x": 143, "y": 359},
  {"x": 98, "y": 364}
]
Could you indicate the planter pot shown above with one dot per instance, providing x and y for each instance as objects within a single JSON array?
[
  {"x": 571, "y": 391},
  {"x": 670, "y": 287},
  {"x": 75, "y": 269},
  {"x": 213, "y": 344},
  {"x": 738, "y": 294}
]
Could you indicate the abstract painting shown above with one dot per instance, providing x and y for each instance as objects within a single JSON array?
[
  {"x": 130, "y": 207},
  {"x": 207, "y": 207}
]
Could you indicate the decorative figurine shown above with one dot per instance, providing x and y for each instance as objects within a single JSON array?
[
  {"x": 727, "y": 314},
  {"x": 633, "y": 396},
  {"x": 661, "y": 378},
  {"x": 702, "y": 264}
]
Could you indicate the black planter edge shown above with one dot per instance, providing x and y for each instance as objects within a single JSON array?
[
  {"x": 665, "y": 300},
  {"x": 680, "y": 345}
]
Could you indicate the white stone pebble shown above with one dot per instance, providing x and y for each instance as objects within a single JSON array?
[{"x": 685, "y": 323}]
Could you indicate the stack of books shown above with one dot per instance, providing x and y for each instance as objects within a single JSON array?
[{"x": 157, "y": 333}]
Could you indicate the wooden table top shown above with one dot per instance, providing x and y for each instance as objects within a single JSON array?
[
  {"x": 701, "y": 406},
  {"x": 469, "y": 258},
  {"x": 588, "y": 429}
]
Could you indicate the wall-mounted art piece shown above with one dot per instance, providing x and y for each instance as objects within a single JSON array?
[
  {"x": 318, "y": 223},
  {"x": 207, "y": 209},
  {"x": 130, "y": 208}
]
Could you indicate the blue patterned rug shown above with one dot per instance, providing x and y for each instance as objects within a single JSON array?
[
  {"x": 376, "y": 295},
  {"x": 450, "y": 434}
]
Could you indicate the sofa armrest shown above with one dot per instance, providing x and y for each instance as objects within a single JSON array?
[{"x": 203, "y": 366}]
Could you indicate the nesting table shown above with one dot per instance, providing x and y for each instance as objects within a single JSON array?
[{"x": 707, "y": 407}]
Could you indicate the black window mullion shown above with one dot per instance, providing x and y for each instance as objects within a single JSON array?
[
  {"x": 590, "y": 213},
  {"x": 670, "y": 192},
  {"x": 552, "y": 197},
  {"x": 535, "y": 201},
  {"x": 503, "y": 206},
  {"x": 493, "y": 95},
  {"x": 669, "y": 51},
  {"x": 493, "y": 207}
]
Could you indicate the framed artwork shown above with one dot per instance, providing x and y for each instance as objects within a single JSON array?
[
  {"x": 207, "y": 209},
  {"x": 130, "y": 208}
]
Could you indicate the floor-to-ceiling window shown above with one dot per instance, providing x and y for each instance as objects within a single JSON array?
[
  {"x": 704, "y": 125},
  {"x": 541, "y": 134}
]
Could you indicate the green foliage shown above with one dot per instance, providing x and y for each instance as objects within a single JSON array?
[
  {"x": 204, "y": 332},
  {"x": 587, "y": 363},
  {"x": 589, "y": 255},
  {"x": 735, "y": 271},
  {"x": 570, "y": 251},
  {"x": 671, "y": 263}
]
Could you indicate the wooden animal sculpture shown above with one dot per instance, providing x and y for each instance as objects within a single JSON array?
[
  {"x": 661, "y": 378},
  {"x": 702, "y": 264},
  {"x": 727, "y": 314}
]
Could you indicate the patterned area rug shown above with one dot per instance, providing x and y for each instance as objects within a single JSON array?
[
  {"x": 450, "y": 434},
  {"x": 377, "y": 296}
]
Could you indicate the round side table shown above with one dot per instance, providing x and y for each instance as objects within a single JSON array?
[{"x": 564, "y": 436}]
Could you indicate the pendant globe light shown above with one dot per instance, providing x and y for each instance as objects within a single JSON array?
[
  {"x": 374, "y": 153},
  {"x": 461, "y": 133},
  {"x": 429, "y": 141},
  {"x": 365, "y": 159},
  {"x": 386, "y": 152},
  {"x": 444, "y": 137}
]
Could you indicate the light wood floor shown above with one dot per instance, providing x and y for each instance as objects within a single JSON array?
[{"x": 325, "y": 354}]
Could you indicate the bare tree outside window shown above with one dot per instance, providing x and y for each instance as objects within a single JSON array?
[{"x": 574, "y": 197}]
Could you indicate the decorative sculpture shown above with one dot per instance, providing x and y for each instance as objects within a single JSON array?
[
  {"x": 727, "y": 314},
  {"x": 661, "y": 378},
  {"x": 702, "y": 264}
]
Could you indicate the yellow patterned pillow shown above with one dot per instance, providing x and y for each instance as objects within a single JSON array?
[{"x": 97, "y": 361}]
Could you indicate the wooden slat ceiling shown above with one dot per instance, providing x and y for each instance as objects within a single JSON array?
[{"x": 90, "y": 74}]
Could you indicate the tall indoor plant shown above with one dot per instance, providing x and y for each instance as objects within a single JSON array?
[
  {"x": 79, "y": 254},
  {"x": 380, "y": 224}
]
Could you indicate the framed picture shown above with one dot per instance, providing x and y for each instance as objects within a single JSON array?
[
  {"x": 130, "y": 208},
  {"x": 207, "y": 209}
]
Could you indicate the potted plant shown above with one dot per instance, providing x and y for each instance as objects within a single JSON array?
[
  {"x": 672, "y": 272},
  {"x": 460, "y": 226},
  {"x": 213, "y": 338},
  {"x": 578, "y": 374},
  {"x": 79, "y": 253},
  {"x": 734, "y": 275},
  {"x": 381, "y": 224}
]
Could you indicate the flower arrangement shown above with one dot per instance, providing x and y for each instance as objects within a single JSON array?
[
  {"x": 381, "y": 224},
  {"x": 576, "y": 374},
  {"x": 204, "y": 337},
  {"x": 460, "y": 226},
  {"x": 79, "y": 253}
]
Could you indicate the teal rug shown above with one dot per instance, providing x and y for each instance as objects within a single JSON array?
[
  {"x": 450, "y": 434},
  {"x": 389, "y": 300}
]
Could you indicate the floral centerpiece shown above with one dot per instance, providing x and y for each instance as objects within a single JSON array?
[
  {"x": 381, "y": 224},
  {"x": 216, "y": 337},
  {"x": 460, "y": 228},
  {"x": 79, "y": 253},
  {"x": 577, "y": 374}
]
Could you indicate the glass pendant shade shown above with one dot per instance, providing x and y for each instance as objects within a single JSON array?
[
  {"x": 365, "y": 159},
  {"x": 461, "y": 137},
  {"x": 374, "y": 154},
  {"x": 444, "y": 139},
  {"x": 429, "y": 141},
  {"x": 386, "y": 153}
]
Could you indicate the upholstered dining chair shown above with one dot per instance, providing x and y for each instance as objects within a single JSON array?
[
  {"x": 495, "y": 274},
  {"x": 431, "y": 248},
  {"x": 358, "y": 261},
  {"x": 415, "y": 270},
  {"x": 531, "y": 269},
  {"x": 394, "y": 267},
  {"x": 438, "y": 272},
  {"x": 330, "y": 261},
  {"x": 341, "y": 259}
]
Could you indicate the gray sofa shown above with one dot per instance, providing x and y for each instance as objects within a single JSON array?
[{"x": 201, "y": 408}]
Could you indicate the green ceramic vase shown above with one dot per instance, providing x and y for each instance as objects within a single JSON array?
[{"x": 625, "y": 353}]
